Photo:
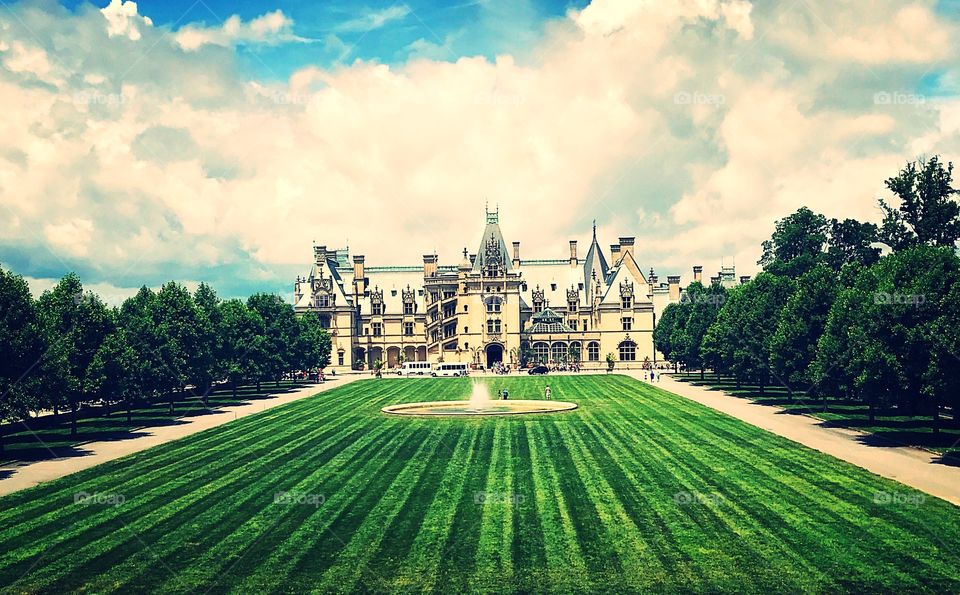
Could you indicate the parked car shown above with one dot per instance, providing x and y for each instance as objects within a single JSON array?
[{"x": 538, "y": 370}]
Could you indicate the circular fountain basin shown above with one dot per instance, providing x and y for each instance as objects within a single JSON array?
[{"x": 464, "y": 408}]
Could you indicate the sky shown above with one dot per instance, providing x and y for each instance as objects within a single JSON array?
[{"x": 217, "y": 141}]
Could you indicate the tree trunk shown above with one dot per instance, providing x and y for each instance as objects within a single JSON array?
[
  {"x": 56, "y": 409},
  {"x": 789, "y": 394},
  {"x": 701, "y": 373},
  {"x": 258, "y": 385},
  {"x": 2, "y": 447},
  {"x": 738, "y": 383},
  {"x": 872, "y": 413},
  {"x": 718, "y": 373},
  {"x": 73, "y": 418},
  {"x": 234, "y": 383},
  {"x": 278, "y": 382},
  {"x": 170, "y": 397},
  {"x": 129, "y": 410}
]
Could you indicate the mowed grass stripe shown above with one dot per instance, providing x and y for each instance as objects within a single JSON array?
[
  {"x": 139, "y": 521},
  {"x": 597, "y": 511},
  {"x": 565, "y": 563},
  {"x": 116, "y": 476},
  {"x": 493, "y": 564}
]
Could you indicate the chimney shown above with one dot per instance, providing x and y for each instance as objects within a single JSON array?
[
  {"x": 319, "y": 254},
  {"x": 626, "y": 244},
  {"x": 516, "y": 254},
  {"x": 744, "y": 279},
  {"x": 358, "y": 279},
  {"x": 698, "y": 273},
  {"x": 614, "y": 252},
  {"x": 674, "y": 283},
  {"x": 429, "y": 265},
  {"x": 715, "y": 280},
  {"x": 573, "y": 253}
]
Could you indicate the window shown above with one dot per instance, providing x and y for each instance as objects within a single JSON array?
[
  {"x": 573, "y": 306},
  {"x": 573, "y": 323},
  {"x": 408, "y": 328},
  {"x": 464, "y": 307},
  {"x": 493, "y": 326},
  {"x": 377, "y": 329},
  {"x": 466, "y": 330},
  {"x": 366, "y": 330},
  {"x": 324, "y": 322},
  {"x": 323, "y": 301},
  {"x": 377, "y": 309},
  {"x": 448, "y": 294},
  {"x": 628, "y": 351},
  {"x": 627, "y": 302},
  {"x": 541, "y": 352},
  {"x": 493, "y": 306},
  {"x": 627, "y": 323},
  {"x": 393, "y": 292},
  {"x": 558, "y": 352},
  {"x": 340, "y": 358},
  {"x": 593, "y": 351},
  {"x": 553, "y": 287},
  {"x": 538, "y": 306},
  {"x": 408, "y": 308}
]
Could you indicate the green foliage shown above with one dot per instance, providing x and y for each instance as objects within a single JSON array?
[
  {"x": 21, "y": 348},
  {"x": 793, "y": 346},
  {"x": 928, "y": 213},
  {"x": 797, "y": 244}
]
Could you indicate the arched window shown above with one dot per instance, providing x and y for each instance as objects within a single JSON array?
[
  {"x": 575, "y": 352},
  {"x": 628, "y": 351},
  {"x": 558, "y": 352},
  {"x": 541, "y": 352},
  {"x": 593, "y": 351}
]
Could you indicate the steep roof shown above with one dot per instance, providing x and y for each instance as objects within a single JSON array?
[
  {"x": 492, "y": 243},
  {"x": 594, "y": 262},
  {"x": 547, "y": 321}
]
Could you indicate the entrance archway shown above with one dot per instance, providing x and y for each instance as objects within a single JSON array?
[{"x": 494, "y": 354}]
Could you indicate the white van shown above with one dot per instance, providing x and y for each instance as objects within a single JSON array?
[
  {"x": 414, "y": 369},
  {"x": 452, "y": 369}
]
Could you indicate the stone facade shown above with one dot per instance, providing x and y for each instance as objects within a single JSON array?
[{"x": 489, "y": 307}]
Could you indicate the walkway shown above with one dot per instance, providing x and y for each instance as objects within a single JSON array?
[
  {"x": 25, "y": 475},
  {"x": 914, "y": 467}
]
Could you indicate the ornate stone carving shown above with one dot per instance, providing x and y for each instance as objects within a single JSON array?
[
  {"x": 409, "y": 295},
  {"x": 376, "y": 296},
  {"x": 626, "y": 289}
]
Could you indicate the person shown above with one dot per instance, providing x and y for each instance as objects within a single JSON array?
[
  {"x": 506, "y": 395},
  {"x": 500, "y": 395},
  {"x": 546, "y": 392}
]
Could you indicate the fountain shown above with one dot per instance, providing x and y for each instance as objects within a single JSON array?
[{"x": 479, "y": 404}]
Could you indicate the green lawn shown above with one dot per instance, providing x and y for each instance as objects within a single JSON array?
[
  {"x": 636, "y": 490},
  {"x": 890, "y": 426}
]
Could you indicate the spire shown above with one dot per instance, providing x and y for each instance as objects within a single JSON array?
[{"x": 594, "y": 230}]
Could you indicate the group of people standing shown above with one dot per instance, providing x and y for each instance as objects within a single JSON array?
[
  {"x": 651, "y": 376},
  {"x": 503, "y": 394}
]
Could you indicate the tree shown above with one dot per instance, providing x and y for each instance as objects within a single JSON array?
[
  {"x": 702, "y": 305},
  {"x": 611, "y": 362},
  {"x": 895, "y": 313},
  {"x": 21, "y": 350},
  {"x": 663, "y": 331},
  {"x": 311, "y": 344},
  {"x": 850, "y": 242},
  {"x": 142, "y": 333},
  {"x": 279, "y": 322},
  {"x": 796, "y": 245},
  {"x": 113, "y": 373},
  {"x": 244, "y": 345},
  {"x": 181, "y": 352},
  {"x": 208, "y": 364},
  {"x": 928, "y": 213},
  {"x": 793, "y": 347},
  {"x": 74, "y": 324}
]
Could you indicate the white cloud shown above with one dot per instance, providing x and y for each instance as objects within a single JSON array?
[
  {"x": 124, "y": 20},
  {"x": 692, "y": 125},
  {"x": 270, "y": 28}
]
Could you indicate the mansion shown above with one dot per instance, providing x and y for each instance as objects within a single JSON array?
[{"x": 491, "y": 307}]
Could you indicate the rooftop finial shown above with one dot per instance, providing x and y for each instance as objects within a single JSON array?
[{"x": 594, "y": 230}]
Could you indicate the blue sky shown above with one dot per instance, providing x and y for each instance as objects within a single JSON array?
[
  {"x": 216, "y": 141},
  {"x": 461, "y": 27}
]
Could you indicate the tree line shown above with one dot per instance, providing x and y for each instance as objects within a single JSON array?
[
  {"x": 68, "y": 347},
  {"x": 831, "y": 315}
]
